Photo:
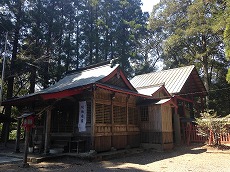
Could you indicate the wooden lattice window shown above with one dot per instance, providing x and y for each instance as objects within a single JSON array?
[
  {"x": 119, "y": 115},
  {"x": 133, "y": 115},
  {"x": 144, "y": 113},
  {"x": 103, "y": 113}
]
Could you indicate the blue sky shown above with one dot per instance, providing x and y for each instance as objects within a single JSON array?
[{"x": 148, "y": 5}]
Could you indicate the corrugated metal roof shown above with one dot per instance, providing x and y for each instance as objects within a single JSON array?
[
  {"x": 148, "y": 90},
  {"x": 173, "y": 79},
  {"x": 81, "y": 78},
  {"x": 75, "y": 80}
]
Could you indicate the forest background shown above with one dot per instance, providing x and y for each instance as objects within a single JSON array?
[{"x": 47, "y": 38}]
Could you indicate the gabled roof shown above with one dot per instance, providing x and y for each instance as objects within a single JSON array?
[
  {"x": 75, "y": 82},
  {"x": 148, "y": 90},
  {"x": 173, "y": 79},
  {"x": 153, "y": 90},
  {"x": 81, "y": 78}
]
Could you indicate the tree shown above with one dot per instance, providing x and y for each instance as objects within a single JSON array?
[
  {"x": 221, "y": 23},
  {"x": 188, "y": 36},
  {"x": 212, "y": 126},
  {"x": 16, "y": 10},
  {"x": 47, "y": 38}
]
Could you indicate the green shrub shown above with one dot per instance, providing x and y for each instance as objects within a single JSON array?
[{"x": 209, "y": 124}]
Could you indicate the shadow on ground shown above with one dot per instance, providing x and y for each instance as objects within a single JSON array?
[
  {"x": 150, "y": 156},
  {"x": 69, "y": 164}
]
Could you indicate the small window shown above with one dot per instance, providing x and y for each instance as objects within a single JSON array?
[
  {"x": 144, "y": 113},
  {"x": 133, "y": 115}
]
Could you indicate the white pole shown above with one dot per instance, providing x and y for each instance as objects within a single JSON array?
[{"x": 3, "y": 70}]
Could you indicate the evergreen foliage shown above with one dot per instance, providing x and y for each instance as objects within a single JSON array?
[
  {"x": 47, "y": 38},
  {"x": 192, "y": 32},
  {"x": 212, "y": 126}
]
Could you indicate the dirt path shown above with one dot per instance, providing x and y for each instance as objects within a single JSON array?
[{"x": 181, "y": 159}]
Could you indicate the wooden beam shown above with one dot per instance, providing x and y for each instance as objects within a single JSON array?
[
  {"x": 176, "y": 125},
  {"x": 47, "y": 131},
  {"x": 93, "y": 119},
  {"x": 184, "y": 99},
  {"x": 17, "y": 144}
]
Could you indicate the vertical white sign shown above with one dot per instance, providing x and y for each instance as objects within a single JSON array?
[{"x": 82, "y": 116}]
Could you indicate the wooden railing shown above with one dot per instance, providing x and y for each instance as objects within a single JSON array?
[
  {"x": 191, "y": 136},
  {"x": 225, "y": 138}
]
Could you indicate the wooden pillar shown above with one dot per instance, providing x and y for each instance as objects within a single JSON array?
[
  {"x": 127, "y": 113},
  {"x": 127, "y": 121},
  {"x": 93, "y": 120},
  {"x": 47, "y": 132},
  {"x": 112, "y": 120},
  {"x": 17, "y": 142},
  {"x": 25, "y": 164},
  {"x": 176, "y": 125}
]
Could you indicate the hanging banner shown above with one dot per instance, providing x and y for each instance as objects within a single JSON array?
[{"x": 82, "y": 116}]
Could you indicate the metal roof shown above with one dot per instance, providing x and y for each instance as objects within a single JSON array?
[
  {"x": 81, "y": 78},
  {"x": 173, "y": 79},
  {"x": 148, "y": 90},
  {"x": 74, "y": 80}
]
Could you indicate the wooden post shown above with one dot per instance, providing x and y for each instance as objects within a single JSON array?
[
  {"x": 47, "y": 133},
  {"x": 176, "y": 126},
  {"x": 210, "y": 141},
  {"x": 17, "y": 142},
  {"x": 127, "y": 113},
  {"x": 93, "y": 122},
  {"x": 161, "y": 122},
  {"x": 127, "y": 121},
  {"x": 189, "y": 126},
  {"x": 25, "y": 164},
  {"x": 112, "y": 122}
]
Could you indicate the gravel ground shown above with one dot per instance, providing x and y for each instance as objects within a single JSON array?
[{"x": 181, "y": 159}]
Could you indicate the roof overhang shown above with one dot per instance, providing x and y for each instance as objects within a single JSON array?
[
  {"x": 158, "y": 102},
  {"x": 26, "y": 114},
  {"x": 122, "y": 91},
  {"x": 165, "y": 102},
  {"x": 45, "y": 96},
  {"x": 64, "y": 93}
]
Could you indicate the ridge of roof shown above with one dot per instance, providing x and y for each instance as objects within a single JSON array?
[
  {"x": 90, "y": 67},
  {"x": 80, "y": 78},
  {"x": 174, "y": 79},
  {"x": 74, "y": 80},
  {"x": 166, "y": 70},
  {"x": 150, "y": 86}
]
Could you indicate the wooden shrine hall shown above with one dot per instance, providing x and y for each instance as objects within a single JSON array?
[{"x": 98, "y": 108}]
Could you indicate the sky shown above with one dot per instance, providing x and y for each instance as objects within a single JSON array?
[{"x": 148, "y": 5}]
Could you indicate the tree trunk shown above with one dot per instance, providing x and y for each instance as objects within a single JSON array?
[
  {"x": 32, "y": 79},
  {"x": 10, "y": 85},
  {"x": 97, "y": 38},
  {"x": 91, "y": 37},
  {"x": 205, "y": 68}
]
